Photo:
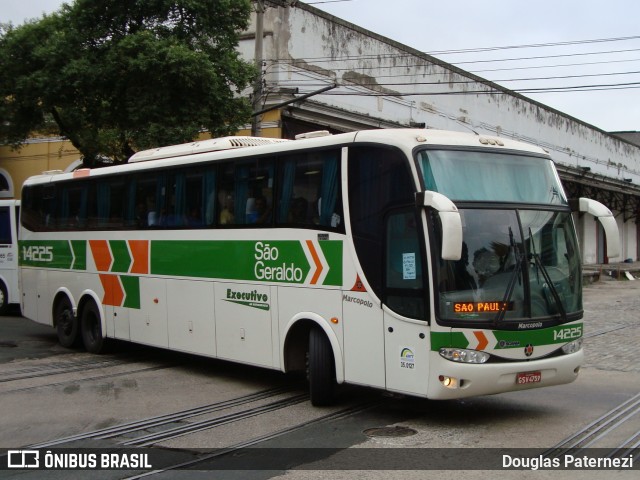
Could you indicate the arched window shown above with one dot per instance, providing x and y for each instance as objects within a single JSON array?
[{"x": 6, "y": 184}]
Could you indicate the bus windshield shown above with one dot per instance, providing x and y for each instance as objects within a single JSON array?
[
  {"x": 467, "y": 175},
  {"x": 516, "y": 265}
]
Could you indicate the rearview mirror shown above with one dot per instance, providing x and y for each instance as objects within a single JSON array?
[
  {"x": 450, "y": 220},
  {"x": 606, "y": 218}
]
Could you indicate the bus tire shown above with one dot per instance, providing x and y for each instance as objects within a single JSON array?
[
  {"x": 4, "y": 299},
  {"x": 91, "y": 327},
  {"x": 322, "y": 371},
  {"x": 66, "y": 323}
]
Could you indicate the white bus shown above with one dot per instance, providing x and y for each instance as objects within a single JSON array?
[
  {"x": 9, "y": 291},
  {"x": 429, "y": 263}
]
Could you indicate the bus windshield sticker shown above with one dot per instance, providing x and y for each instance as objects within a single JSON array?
[{"x": 408, "y": 266}]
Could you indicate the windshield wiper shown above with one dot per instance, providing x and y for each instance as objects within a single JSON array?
[
  {"x": 512, "y": 281},
  {"x": 547, "y": 278}
]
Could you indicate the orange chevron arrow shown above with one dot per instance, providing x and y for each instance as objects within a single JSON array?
[
  {"x": 316, "y": 260},
  {"x": 101, "y": 254},
  {"x": 482, "y": 340},
  {"x": 113, "y": 293},
  {"x": 140, "y": 253}
]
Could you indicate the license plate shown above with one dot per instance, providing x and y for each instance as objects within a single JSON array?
[{"x": 528, "y": 377}]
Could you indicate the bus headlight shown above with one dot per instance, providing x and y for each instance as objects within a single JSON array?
[
  {"x": 572, "y": 347},
  {"x": 463, "y": 355}
]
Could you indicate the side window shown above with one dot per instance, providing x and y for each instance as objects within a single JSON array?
[
  {"x": 379, "y": 179},
  {"x": 174, "y": 214},
  {"x": 187, "y": 198},
  {"x": 226, "y": 196},
  {"x": 199, "y": 201},
  {"x": 73, "y": 206},
  {"x": 118, "y": 195},
  {"x": 5, "y": 226},
  {"x": 245, "y": 193},
  {"x": 30, "y": 218},
  {"x": 404, "y": 265},
  {"x": 166, "y": 199},
  {"x": 145, "y": 211},
  {"x": 106, "y": 204},
  {"x": 309, "y": 192},
  {"x": 47, "y": 207}
]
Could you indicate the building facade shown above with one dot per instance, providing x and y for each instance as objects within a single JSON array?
[{"x": 359, "y": 80}]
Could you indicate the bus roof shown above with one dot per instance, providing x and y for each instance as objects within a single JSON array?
[
  {"x": 229, "y": 148},
  {"x": 202, "y": 146}
]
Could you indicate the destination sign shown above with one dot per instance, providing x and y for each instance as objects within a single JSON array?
[{"x": 481, "y": 307}]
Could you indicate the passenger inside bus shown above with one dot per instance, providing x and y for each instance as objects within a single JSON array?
[
  {"x": 299, "y": 210},
  {"x": 226, "y": 215},
  {"x": 261, "y": 212}
]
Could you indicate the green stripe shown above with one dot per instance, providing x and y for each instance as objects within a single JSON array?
[
  {"x": 280, "y": 261},
  {"x": 333, "y": 253},
  {"x": 65, "y": 254},
  {"x": 131, "y": 286},
  {"x": 79, "y": 248},
  {"x": 121, "y": 257},
  {"x": 512, "y": 338},
  {"x": 545, "y": 336},
  {"x": 45, "y": 254},
  {"x": 448, "y": 339}
]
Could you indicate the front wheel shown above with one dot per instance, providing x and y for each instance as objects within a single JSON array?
[
  {"x": 66, "y": 324},
  {"x": 91, "y": 327},
  {"x": 322, "y": 370}
]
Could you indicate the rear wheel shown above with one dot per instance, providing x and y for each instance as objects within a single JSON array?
[
  {"x": 66, "y": 324},
  {"x": 91, "y": 327},
  {"x": 322, "y": 371},
  {"x": 4, "y": 300}
]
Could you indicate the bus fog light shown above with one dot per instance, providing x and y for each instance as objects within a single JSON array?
[
  {"x": 448, "y": 382},
  {"x": 462, "y": 355},
  {"x": 572, "y": 347}
]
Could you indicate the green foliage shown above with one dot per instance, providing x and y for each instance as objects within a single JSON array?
[{"x": 119, "y": 76}]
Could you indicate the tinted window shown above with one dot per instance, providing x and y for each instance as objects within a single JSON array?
[
  {"x": 309, "y": 190},
  {"x": 379, "y": 179},
  {"x": 246, "y": 193},
  {"x": 5, "y": 226},
  {"x": 404, "y": 265}
]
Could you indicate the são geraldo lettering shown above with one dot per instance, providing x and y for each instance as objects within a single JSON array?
[{"x": 283, "y": 272}]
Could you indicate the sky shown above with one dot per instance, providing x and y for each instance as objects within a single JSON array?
[{"x": 605, "y": 61}]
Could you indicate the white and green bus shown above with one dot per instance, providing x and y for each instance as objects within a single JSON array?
[
  {"x": 429, "y": 263},
  {"x": 9, "y": 291}
]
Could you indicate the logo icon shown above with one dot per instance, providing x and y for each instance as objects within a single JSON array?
[
  {"x": 407, "y": 358},
  {"x": 528, "y": 350},
  {"x": 23, "y": 459}
]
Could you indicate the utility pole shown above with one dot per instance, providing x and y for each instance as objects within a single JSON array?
[{"x": 256, "y": 128}]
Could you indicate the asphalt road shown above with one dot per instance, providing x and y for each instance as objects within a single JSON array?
[{"x": 54, "y": 398}]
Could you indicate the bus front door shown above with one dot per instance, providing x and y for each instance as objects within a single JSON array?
[
  {"x": 406, "y": 354},
  {"x": 405, "y": 312}
]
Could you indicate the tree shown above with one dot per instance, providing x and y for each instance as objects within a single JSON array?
[{"x": 118, "y": 76}]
